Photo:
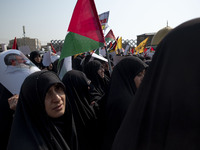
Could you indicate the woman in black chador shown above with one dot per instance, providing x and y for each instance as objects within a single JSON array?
[
  {"x": 76, "y": 63},
  {"x": 125, "y": 79},
  {"x": 95, "y": 72},
  {"x": 165, "y": 112},
  {"x": 43, "y": 117},
  {"x": 36, "y": 59},
  {"x": 81, "y": 97}
]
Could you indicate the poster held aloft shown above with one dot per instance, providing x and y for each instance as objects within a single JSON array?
[
  {"x": 46, "y": 61},
  {"x": 15, "y": 67}
]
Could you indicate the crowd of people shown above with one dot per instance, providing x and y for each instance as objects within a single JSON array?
[{"x": 137, "y": 106}]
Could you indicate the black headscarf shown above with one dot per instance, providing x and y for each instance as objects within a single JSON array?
[
  {"x": 76, "y": 63},
  {"x": 121, "y": 92},
  {"x": 165, "y": 113},
  {"x": 77, "y": 90},
  {"x": 33, "y": 55},
  {"x": 91, "y": 71},
  {"x": 105, "y": 65},
  {"x": 32, "y": 128},
  {"x": 55, "y": 64}
]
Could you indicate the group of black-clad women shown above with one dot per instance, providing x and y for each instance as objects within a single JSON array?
[
  {"x": 87, "y": 110},
  {"x": 70, "y": 113}
]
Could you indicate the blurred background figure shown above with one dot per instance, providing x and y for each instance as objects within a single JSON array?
[{"x": 36, "y": 59}]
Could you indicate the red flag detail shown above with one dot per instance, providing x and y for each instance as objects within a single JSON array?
[
  {"x": 15, "y": 44},
  {"x": 152, "y": 49},
  {"x": 132, "y": 50},
  {"x": 53, "y": 48},
  {"x": 145, "y": 50},
  {"x": 114, "y": 44}
]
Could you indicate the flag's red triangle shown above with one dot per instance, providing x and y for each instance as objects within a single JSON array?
[
  {"x": 85, "y": 21},
  {"x": 132, "y": 50},
  {"x": 114, "y": 44},
  {"x": 145, "y": 50},
  {"x": 152, "y": 49},
  {"x": 110, "y": 44}
]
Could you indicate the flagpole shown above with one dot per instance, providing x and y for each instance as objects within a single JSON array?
[{"x": 109, "y": 63}]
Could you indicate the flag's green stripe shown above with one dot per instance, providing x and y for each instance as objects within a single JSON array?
[
  {"x": 75, "y": 44},
  {"x": 109, "y": 39}
]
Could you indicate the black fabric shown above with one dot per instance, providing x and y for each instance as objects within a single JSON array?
[
  {"x": 85, "y": 119},
  {"x": 55, "y": 64},
  {"x": 121, "y": 92},
  {"x": 76, "y": 63},
  {"x": 107, "y": 73},
  {"x": 34, "y": 54},
  {"x": 165, "y": 113},
  {"x": 91, "y": 71},
  {"x": 105, "y": 65},
  {"x": 32, "y": 128},
  {"x": 6, "y": 117},
  {"x": 86, "y": 60}
]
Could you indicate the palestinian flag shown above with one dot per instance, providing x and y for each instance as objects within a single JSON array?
[
  {"x": 113, "y": 46},
  {"x": 84, "y": 31},
  {"x": 110, "y": 36}
]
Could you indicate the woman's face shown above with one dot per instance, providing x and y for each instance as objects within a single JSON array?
[
  {"x": 138, "y": 78},
  {"x": 38, "y": 59},
  {"x": 55, "y": 101},
  {"x": 101, "y": 72}
]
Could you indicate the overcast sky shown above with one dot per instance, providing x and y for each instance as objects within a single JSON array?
[{"x": 48, "y": 20}]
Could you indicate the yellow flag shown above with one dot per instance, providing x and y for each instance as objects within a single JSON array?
[
  {"x": 140, "y": 48},
  {"x": 119, "y": 44}
]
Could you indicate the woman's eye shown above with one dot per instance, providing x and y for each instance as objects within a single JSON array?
[
  {"x": 49, "y": 93},
  {"x": 58, "y": 88}
]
